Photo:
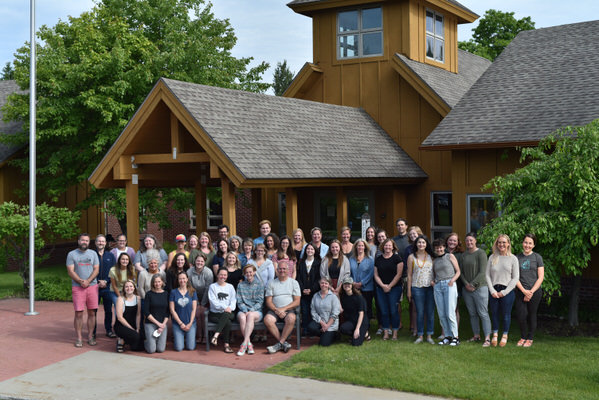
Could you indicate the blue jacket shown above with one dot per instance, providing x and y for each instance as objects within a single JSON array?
[
  {"x": 363, "y": 274},
  {"x": 107, "y": 261}
]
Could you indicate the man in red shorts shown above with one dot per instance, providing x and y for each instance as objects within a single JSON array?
[{"x": 83, "y": 267}]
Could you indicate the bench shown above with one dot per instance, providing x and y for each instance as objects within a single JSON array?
[{"x": 211, "y": 326}]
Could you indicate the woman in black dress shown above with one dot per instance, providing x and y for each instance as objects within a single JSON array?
[{"x": 128, "y": 312}]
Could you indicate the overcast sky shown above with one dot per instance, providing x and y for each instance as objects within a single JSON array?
[{"x": 270, "y": 31}]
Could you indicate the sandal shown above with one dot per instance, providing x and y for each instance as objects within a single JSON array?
[
  {"x": 521, "y": 342},
  {"x": 111, "y": 335},
  {"x": 487, "y": 343},
  {"x": 120, "y": 347},
  {"x": 494, "y": 340},
  {"x": 214, "y": 340},
  {"x": 503, "y": 341},
  {"x": 474, "y": 339},
  {"x": 527, "y": 343},
  {"x": 79, "y": 343},
  {"x": 92, "y": 341},
  {"x": 228, "y": 348},
  {"x": 367, "y": 337}
]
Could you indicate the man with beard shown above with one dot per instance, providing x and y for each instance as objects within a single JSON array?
[
  {"x": 83, "y": 267},
  {"x": 107, "y": 261}
]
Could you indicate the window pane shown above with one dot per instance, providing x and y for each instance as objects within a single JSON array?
[
  {"x": 442, "y": 209},
  {"x": 348, "y": 21},
  {"x": 439, "y": 26},
  {"x": 372, "y": 18},
  {"x": 430, "y": 45},
  {"x": 348, "y": 46},
  {"x": 327, "y": 209},
  {"x": 429, "y": 22},
  {"x": 439, "y": 50},
  {"x": 482, "y": 210},
  {"x": 356, "y": 206},
  {"x": 372, "y": 43}
]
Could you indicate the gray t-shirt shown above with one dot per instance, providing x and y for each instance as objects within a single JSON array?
[
  {"x": 84, "y": 262},
  {"x": 282, "y": 292},
  {"x": 443, "y": 268},
  {"x": 528, "y": 269}
]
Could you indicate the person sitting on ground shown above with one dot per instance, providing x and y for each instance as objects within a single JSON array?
[
  {"x": 325, "y": 309},
  {"x": 223, "y": 301},
  {"x": 250, "y": 300},
  {"x": 282, "y": 298},
  {"x": 353, "y": 306},
  {"x": 128, "y": 313},
  {"x": 183, "y": 303},
  {"x": 155, "y": 309}
]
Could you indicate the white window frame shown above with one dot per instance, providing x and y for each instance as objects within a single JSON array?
[
  {"x": 434, "y": 35},
  {"x": 192, "y": 217},
  {"x": 441, "y": 229},
  {"x": 359, "y": 32}
]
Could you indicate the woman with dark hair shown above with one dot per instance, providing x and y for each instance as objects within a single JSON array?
[
  {"x": 155, "y": 309},
  {"x": 420, "y": 276},
  {"x": 503, "y": 273},
  {"x": 200, "y": 277},
  {"x": 178, "y": 264},
  {"x": 127, "y": 324},
  {"x": 286, "y": 253},
  {"x": 453, "y": 245},
  {"x": 325, "y": 309},
  {"x": 119, "y": 274},
  {"x": 204, "y": 247},
  {"x": 387, "y": 275},
  {"x": 308, "y": 274},
  {"x": 335, "y": 266},
  {"x": 446, "y": 272},
  {"x": 413, "y": 233},
  {"x": 183, "y": 302},
  {"x": 223, "y": 301},
  {"x": 528, "y": 295},
  {"x": 362, "y": 273},
  {"x": 353, "y": 306},
  {"x": 346, "y": 245},
  {"x": 371, "y": 240},
  {"x": 222, "y": 248},
  {"x": 141, "y": 260},
  {"x": 271, "y": 242},
  {"x": 381, "y": 236},
  {"x": 475, "y": 293}
]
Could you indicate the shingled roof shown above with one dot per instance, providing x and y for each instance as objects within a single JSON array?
[
  {"x": 270, "y": 137},
  {"x": 448, "y": 86},
  {"x": 545, "y": 79},
  {"x": 7, "y": 128}
]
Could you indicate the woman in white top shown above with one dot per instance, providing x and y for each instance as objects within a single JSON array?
[
  {"x": 420, "y": 275},
  {"x": 223, "y": 301}
]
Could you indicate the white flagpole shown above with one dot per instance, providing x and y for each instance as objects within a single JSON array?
[{"x": 32, "y": 201}]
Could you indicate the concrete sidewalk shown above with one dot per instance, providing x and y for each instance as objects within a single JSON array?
[{"x": 102, "y": 375}]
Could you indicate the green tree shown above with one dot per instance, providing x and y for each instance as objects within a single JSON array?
[
  {"x": 53, "y": 224},
  {"x": 282, "y": 78},
  {"x": 556, "y": 197},
  {"x": 8, "y": 72},
  {"x": 495, "y": 30},
  {"x": 94, "y": 71}
]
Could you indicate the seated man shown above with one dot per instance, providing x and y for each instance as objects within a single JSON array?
[{"x": 282, "y": 298}]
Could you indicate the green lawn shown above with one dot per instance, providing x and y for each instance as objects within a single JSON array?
[
  {"x": 553, "y": 368},
  {"x": 11, "y": 284}
]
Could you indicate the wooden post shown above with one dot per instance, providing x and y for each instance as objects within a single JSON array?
[
  {"x": 200, "y": 206},
  {"x": 291, "y": 211},
  {"x": 256, "y": 211},
  {"x": 341, "y": 209},
  {"x": 399, "y": 210},
  {"x": 132, "y": 195},
  {"x": 176, "y": 142},
  {"x": 228, "y": 205}
]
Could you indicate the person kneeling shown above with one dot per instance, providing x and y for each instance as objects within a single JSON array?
[
  {"x": 325, "y": 314},
  {"x": 356, "y": 323}
]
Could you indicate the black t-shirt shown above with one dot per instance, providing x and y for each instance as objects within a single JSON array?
[
  {"x": 334, "y": 268},
  {"x": 234, "y": 277},
  {"x": 156, "y": 304},
  {"x": 387, "y": 267},
  {"x": 352, "y": 305}
]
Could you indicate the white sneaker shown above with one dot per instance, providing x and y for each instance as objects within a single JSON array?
[
  {"x": 418, "y": 341},
  {"x": 242, "y": 349},
  {"x": 250, "y": 348}
]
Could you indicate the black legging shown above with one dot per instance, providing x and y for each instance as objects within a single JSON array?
[
  {"x": 326, "y": 338},
  {"x": 348, "y": 327},
  {"x": 223, "y": 323},
  {"x": 368, "y": 296},
  {"x": 526, "y": 312}
]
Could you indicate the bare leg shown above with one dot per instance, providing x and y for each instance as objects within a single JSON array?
[
  {"x": 288, "y": 328},
  {"x": 78, "y": 323},
  {"x": 250, "y": 320},
  {"x": 91, "y": 322},
  {"x": 270, "y": 322},
  {"x": 242, "y": 318}
]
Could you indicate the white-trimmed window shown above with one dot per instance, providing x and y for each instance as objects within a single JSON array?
[
  {"x": 482, "y": 209},
  {"x": 360, "y": 33},
  {"x": 214, "y": 216},
  {"x": 435, "y": 36},
  {"x": 441, "y": 218}
]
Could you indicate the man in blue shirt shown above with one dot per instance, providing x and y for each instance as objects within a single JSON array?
[{"x": 107, "y": 261}]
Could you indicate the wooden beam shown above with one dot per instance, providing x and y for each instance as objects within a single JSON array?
[
  {"x": 215, "y": 172},
  {"x": 291, "y": 211},
  {"x": 341, "y": 209},
  {"x": 176, "y": 140},
  {"x": 165, "y": 158},
  {"x": 228, "y": 205},
  {"x": 200, "y": 206},
  {"x": 132, "y": 196}
]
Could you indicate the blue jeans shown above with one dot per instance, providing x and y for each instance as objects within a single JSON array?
[
  {"x": 446, "y": 299},
  {"x": 501, "y": 309},
  {"x": 425, "y": 305},
  {"x": 184, "y": 338},
  {"x": 388, "y": 304},
  {"x": 104, "y": 294}
]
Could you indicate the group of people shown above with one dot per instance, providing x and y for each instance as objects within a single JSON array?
[{"x": 330, "y": 287}]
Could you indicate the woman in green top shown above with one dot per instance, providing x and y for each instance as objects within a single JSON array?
[{"x": 473, "y": 264}]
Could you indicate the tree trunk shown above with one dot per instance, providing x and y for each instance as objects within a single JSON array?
[{"x": 574, "y": 300}]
